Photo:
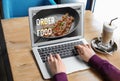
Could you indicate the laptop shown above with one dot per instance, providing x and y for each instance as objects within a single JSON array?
[{"x": 56, "y": 29}]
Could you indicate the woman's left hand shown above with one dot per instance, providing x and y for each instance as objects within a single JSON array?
[{"x": 55, "y": 64}]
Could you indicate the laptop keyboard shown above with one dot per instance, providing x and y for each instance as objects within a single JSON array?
[{"x": 65, "y": 50}]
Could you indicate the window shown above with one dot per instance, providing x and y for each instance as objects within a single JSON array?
[{"x": 105, "y": 10}]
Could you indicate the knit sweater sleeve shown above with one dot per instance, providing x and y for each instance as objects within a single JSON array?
[
  {"x": 60, "y": 77},
  {"x": 107, "y": 70}
]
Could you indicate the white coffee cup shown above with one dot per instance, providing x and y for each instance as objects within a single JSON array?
[{"x": 107, "y": 33}]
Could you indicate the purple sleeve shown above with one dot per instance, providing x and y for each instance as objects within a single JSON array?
[
  {"x": 60, "y": 77},
  {"x": 107, "y": 70}
]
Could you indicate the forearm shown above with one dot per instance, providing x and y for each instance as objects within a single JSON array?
[
  {"x": 60, "y": 77},
  {"x": 107, "y": 70}
]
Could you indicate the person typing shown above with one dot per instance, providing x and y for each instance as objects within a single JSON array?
[{"x": 107, "y": 70}]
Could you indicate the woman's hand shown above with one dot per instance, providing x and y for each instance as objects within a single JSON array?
[
  {"x": 56, "y": 65},
  {"x": 85, "y": 51}
]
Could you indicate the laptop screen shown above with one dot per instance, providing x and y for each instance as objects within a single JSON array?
[{"x": 56, "y": 23}]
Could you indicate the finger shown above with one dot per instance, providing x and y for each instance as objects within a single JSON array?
[
  {"x": 48, "y": 59},
  {"x": 80, "y": 52},
  {"x": 78, "y": 46},
  {"x": 51, "y": 57},
  {"x": 58, "y": 56},
  {"x": 55, "y": 60},
  {"x": 85, "y": 45},
  {"x": 88, "y": 45}
]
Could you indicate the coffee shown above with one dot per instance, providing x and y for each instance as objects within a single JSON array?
[
  {"x": 106, "y": 36},
  {"x": 107, "y": 33}
]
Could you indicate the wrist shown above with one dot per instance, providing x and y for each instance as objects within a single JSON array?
[{"x": 91, "y": 57}]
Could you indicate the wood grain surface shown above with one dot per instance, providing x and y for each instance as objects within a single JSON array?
[{"x": 23, "y": 64}]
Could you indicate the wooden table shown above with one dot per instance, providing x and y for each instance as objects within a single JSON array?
[{"x": 22, "y": 62}]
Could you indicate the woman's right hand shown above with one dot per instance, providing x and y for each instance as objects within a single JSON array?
[{"x": 85, "y": 52}]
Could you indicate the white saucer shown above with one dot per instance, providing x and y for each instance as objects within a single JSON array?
[{"x": 95, "y": 45}]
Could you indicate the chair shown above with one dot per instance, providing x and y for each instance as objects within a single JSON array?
[{"x": 19, "y": 8}]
